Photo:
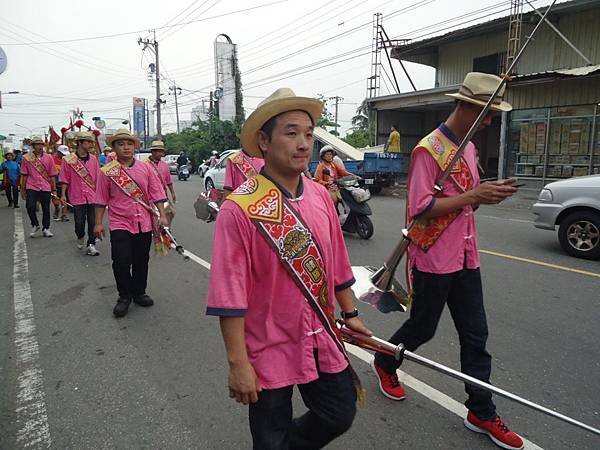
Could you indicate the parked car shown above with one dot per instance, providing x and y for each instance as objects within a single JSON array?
[
  {"x": 203, "y": 167},
  {"x": 215, "y": 177},
  {"x": 171, "y": 161},
  {"x": 142, "y": 156},
  {"x": 573, "y": 206}
]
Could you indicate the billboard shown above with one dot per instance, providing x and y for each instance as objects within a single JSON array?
[
  {"x": 224, "y": 77},
  {"x": 139, "y": 116}
]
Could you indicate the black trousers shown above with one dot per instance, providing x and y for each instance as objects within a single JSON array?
[
  {"x": 44, "y": 198},
  {"x": 463, "y": 293},
  {"x": 12, "y": 194},
  {"x": 130, "y": 254},
  {"x": 83, "y": 214},
  {"x": 331, "y": 403}
]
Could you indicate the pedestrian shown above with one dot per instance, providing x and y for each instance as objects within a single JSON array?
[
  {"x": 38, "y": 184},
  {"x": 60, "y": 206},
  {"x": 240, "y": 166},
  {"x": 393, "y": 143},
  {"x": 10, "y": 169},
  {"x": 103, "y": 158},
  {"x": 160, "y": 168},
  {"x": 279, "y": 266},
  {"x": 79, "y": 175},
  {"x": 129, "y": 188},
  {"x": 443, "y": 257}
]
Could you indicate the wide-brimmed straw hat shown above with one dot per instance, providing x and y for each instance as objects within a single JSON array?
[
  {"x": 157, "y": 145},
  {"x": 280, "y": 101},
  {"x": 477, "y": 88},
  {"x": 85, "y": 136},
  {"x": 36, "y": 140},
  {"x": 122, "y": 133}
]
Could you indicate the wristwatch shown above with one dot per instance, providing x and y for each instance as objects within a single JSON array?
[{"x": 349, "y": 315}]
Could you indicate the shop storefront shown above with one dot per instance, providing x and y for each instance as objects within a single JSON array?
[{"x": 554, "y": 143}]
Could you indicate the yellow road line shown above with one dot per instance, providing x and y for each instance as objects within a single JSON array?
[{"x": 541, "y": 263}]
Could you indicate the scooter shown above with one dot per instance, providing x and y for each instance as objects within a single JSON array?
[
  {"x": 183, "y": 173},
  {"x": 356, "y": 211}
]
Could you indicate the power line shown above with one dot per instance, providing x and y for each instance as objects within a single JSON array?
[{"x": 127, "y": 33}]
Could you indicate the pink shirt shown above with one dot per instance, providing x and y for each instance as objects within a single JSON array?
[
  {"x": 248, "y": 280},
  {"x": 79, "y": 191},
  {"x": 163, "y": 172},
  {"x": 234, "y": 177},
  {"x": 35, "y": 180},
  {"x": 124, "y": 213},
  {"x": 456, "y": 248}
]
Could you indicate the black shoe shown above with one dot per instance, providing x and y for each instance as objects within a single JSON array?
[
  {"x": 17, "y": 206},
  {"x": 143, "y": 300},
  {"x": 121, "y": 307},
  {"x": 9, "y": 204}
]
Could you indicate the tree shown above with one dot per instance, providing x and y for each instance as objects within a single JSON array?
[
  {"x": 358, "y": 138},
  {"x": 361, "y": 119},
  {"x": 327, "y": 119}
]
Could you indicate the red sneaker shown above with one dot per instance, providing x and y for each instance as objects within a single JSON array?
[
  {"x": 388, "y": 383},
  {"x": 496, "y": 430}
]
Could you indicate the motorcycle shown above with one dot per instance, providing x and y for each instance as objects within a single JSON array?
[
  {"x": 356, "y": 211},
  {"x": 183, "y": 173}
]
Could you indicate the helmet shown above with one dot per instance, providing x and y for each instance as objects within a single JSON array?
[
  {"x": 214, "y": 152},
  {"x": 327, "y": 148}
]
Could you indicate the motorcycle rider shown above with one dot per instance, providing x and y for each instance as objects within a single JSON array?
[
  {"x": 213, "y": 160},
  {"x": 328, "y": 172}
]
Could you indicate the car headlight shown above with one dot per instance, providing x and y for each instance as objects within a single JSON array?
[{"x": 545, "y": 195}]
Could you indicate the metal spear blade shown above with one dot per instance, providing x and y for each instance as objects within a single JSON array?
[{"x": 393, "y": 299}]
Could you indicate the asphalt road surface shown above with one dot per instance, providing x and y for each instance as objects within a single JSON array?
[{"x": 72, "y": 376}]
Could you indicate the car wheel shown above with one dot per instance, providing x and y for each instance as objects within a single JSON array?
[
  {"x": 579, "y": 234},
  {"x": 208, "y": 184},
  {"x": 375, "y": 190}
]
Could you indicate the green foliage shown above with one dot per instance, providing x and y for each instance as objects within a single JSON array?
[
  {"x": 358, "y": 138},
  {"x": 327, "y": 120},
  {"x": 205, "y": 136}
]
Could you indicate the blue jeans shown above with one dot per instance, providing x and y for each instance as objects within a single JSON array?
[
  {"x": 331, "y": 403},
  {"x": 463, "y": 293}
]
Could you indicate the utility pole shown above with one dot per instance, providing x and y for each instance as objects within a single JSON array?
[
  {"x": 175, "y": 90},
  {"x": 337, "y": 99},
  {"x": 154, "y": 45}
]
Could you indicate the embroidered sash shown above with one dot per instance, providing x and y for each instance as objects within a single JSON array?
[
  {"x": 286, "y": 233},
  {"x": 425, "y": 232},
  {"x": 240, "y": 161},
  {"x": 114, "y": 171},
  {"x": 79, "y": 168},
  {"x": 37, "y": 165}
]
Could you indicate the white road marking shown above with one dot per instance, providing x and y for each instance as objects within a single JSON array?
[
  {"x": 508, "y": 219},
  {"x": 32, "y": 419},
  {"x": 422, "y": 388}
]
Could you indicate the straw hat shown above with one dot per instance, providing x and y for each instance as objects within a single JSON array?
[
  {"x": 8, "y": 151},
  {"x": 107, "y": 149},
  {"x": 157, "y": 145},
  {"x": 122, "y": 133},
  {"x": 477, "y": 88},
  {"x": 36, "y": 140},
  {"x": 85, "y": 136},
  {"x": 280, "y": 101}
]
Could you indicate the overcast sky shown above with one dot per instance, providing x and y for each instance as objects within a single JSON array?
[{"x": 311, "y": 46}]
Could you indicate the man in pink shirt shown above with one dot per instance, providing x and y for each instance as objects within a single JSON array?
[
  {"x": 240, "y": 166},
  {"x": 273, "y": 336},
  {"x": 78, "y": 175},
  {"x": 445, "y": 267},
  {"x": 38, "y": 182},
  {"x": 161, "y": 168},
  {"x": 130, "y": 218}
]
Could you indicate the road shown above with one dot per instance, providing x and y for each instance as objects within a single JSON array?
[{"x": 72, "y": 376}]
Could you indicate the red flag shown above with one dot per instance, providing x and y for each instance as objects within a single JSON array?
[{"x": 54, "y": 137}]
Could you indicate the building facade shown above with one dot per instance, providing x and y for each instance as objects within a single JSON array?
[{"x": 553, "y": 131}]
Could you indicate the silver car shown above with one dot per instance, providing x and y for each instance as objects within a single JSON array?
[{"x": 574, "y": 206}]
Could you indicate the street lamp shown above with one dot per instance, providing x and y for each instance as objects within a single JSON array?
[{"x": 28, "y": 129}]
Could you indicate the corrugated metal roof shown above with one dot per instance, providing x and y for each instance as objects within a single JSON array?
[
  {"x": 427, "y": 45},
  {"x": 574, "y": 72},
  {"x": 340, "y": 146}
]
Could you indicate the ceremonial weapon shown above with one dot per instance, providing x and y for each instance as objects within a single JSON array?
[
  {"x": 60, "y": 200},
  {"x": 378, "y": 287},
  {"x": 399, "y": 351}
]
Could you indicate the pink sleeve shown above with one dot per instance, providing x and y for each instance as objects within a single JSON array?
[
  {"x": 421, "y": 180},
  {"x": 95, "y": 169},
  {"x": 156, "y": 192},
  {"x": 102, "y": 190},
  {"x": 64, "y": 176},
  {"x": 229, "y": 183},
  {"x": 342, "y": 277},
  {"x": 24, "y": 167},
  {"x": 168, "y": 179},
  {"x": 230, "y": 272},
  {"x": 50, "y": 166}
]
